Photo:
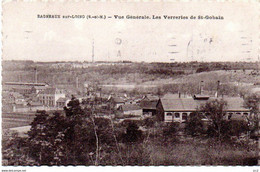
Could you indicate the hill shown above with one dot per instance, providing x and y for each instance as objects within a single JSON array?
[{"x": 128, "y": 76}]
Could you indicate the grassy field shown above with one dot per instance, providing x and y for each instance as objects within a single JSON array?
[
  {"x": 16, "y": 120},
  {"x": 195, "y": 152},
  {"x": 191, "y": 152}
]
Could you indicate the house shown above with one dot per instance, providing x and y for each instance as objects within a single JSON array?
[
  {"x": 179, "y": 109},
  {"x": 62, "y": 101},
  {"x": 116, "y": 102},
  {"x": 149, "y": 107},
  {"x": 49, "y": 96},
  {"x": 12, "y": 97},
  {"x": 130, "y": 109}
]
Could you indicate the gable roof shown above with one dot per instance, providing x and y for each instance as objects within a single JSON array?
[
  {"x": 150, "y": 97},
  {"x": 235, "y": 103},
  {"x": 190, "y": 104},
  {"x": 179, "y": 104},
  {"x": 148, "y": 104},
  {"x": 50, "y": 90},
  {"x": 129, "y": 107},
  {"x": 116, "y": 99},
  {"x": 62, "y": 99}
]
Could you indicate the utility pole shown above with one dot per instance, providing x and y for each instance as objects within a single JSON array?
[{"x": 93, "y": 51}]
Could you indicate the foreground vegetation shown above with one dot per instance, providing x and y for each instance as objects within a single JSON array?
[{"x": 75, "y": 137}]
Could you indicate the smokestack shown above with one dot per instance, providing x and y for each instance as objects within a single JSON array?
[
  {"x": 201, "y": 87},
  {"x": 36, "y": 79},
  {"x": 218, "y": 84}
]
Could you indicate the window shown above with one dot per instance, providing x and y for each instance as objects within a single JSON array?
[
  {"x": 246, "y": 114},
  {"x": 230, "y": 115},
  {"x": 184, "y": 116},
  {"x": 177, "y": 115},
  {"x": 238, "y": 113},
  {"x": 169, "y": 114},
  {"x": 192, "y": 114}
]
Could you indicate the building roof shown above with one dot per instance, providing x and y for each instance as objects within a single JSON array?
[
  {"x": 20, "y": 87},
  {"x": 27, "y": 84},
  {"x": 51, "y": 90},
  {"x": 12, "y": 94},
  {"x": 150, "y": 97},
  {"x": 179, "y": 104},
  {"x": 34, "y": 103},
  {"x": 62, "y": 99},
  {"x": 200, "y": 97},
  {"x": 190, "y": 104},
  {"x": 39, "y": 87},
  {"x": 148, "y": 104},
  {"x": 130, "y": 107},
  {"x": 116, "y": 99},
  {"x": 235, "y": 103}
]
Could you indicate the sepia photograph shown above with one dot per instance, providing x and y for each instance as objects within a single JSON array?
[{"x": 130, "y": 83}]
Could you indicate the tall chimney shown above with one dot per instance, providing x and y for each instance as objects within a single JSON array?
[
  {"x": 35, "y": 75},
  {"x": 201, "y": 87},
  {"x": 218, "y": 84}
]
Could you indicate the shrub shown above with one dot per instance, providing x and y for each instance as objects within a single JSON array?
[
  {"x": 194, "y": 125},
  {"x": 133, "y": 134}
]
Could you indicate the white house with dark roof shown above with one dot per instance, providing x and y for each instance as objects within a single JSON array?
[{"x": 178, "y": 109}]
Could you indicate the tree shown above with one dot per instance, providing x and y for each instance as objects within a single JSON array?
[
  {"x": 73, "y": 107},
  {"x": 169, "y": 132},
  {"x": 253, "y": 103},
  {"x": 235, "y": 128},
  {"x": 194, "y": 125},
  {"x": 15, "y": 150},
  {"x": 214, "y": 110},
  {"x": 133, "y": 134},
  {"x": 69, "y": 138}
]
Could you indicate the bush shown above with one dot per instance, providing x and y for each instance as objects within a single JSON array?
[
  {"x": 236, "y": 128},
  {"x": 194, "y": 125},
  {"x": 133, "y": 134},
  {"x": 149, "y": 122},
  {"x": 166, "y": 133}
]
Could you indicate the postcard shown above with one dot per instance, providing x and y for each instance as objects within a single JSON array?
[{"x": 130, "y": 83}]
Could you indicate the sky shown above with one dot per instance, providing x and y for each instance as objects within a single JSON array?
[{"x": 26, "y": 37}]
